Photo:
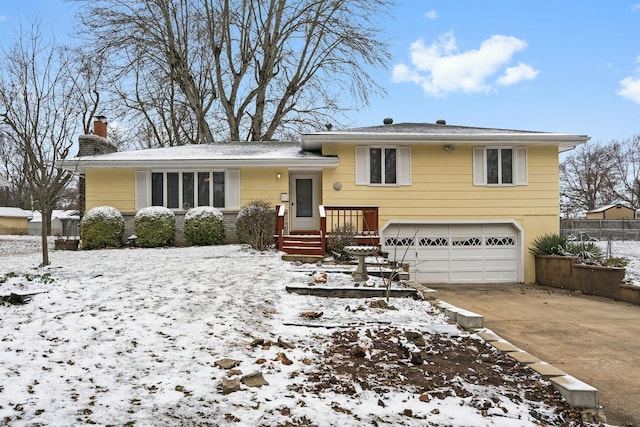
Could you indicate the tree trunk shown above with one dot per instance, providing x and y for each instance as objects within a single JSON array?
[{"x": 44, "y": 233}]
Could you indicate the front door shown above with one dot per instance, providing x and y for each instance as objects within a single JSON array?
[{"x": 304, "y": 202}]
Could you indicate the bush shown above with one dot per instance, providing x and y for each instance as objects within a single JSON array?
[
  {"x": 549, "y": 244},
  {"x": 155, "y": 226},
  {"x": 587, "y": 250},
  {"x": 339, "y": 238},
  {"x": 256, "y": 224},
  {"x": 101, "y": 227},
  {"x": 204, "y": 225},
  {"x": 553, "y": 244}
]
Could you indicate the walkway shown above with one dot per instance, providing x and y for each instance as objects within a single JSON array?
[{"x": 594, "y": 339}]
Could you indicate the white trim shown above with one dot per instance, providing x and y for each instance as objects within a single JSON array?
[
  {"x": 142, "y": 187},
  {"x": 363, "y": 165},
  {"x": 403, "y": 172},
  {"x": 519, "y": 165},
  {"x": 564, "y": 142},
  {"x": 232, "y": 189}
]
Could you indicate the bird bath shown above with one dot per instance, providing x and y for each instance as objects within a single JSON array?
[{"x": 360, "y": 252}]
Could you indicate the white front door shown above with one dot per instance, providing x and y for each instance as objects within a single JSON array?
[{"x": 304, "y": 201}]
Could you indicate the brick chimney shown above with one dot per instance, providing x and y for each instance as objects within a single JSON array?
[
  {"x": 96, "y": 143},
  {"x": 91, "y": 145},
  {"x": 100, "y": 126}
]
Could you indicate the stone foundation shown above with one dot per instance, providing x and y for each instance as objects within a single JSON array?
[{"x": 229, "y": 227}]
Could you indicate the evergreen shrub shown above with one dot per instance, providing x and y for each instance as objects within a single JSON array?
[
  {"x": 204, "y": 226},
  {"x": 155, "y": 226},
  {"x": 101, "y": 227}
]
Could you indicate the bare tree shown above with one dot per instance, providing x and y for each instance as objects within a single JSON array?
[
  {"x": 39, "y": 115},
  {"x": 628, "y": 171},
  {"x": 589, "y": 177},
  {"x": 242, "y": 69}
]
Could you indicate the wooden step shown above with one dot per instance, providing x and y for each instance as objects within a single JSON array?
[{"x": 302, "y": 244}]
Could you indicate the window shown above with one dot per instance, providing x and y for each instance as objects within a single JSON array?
[
  {"x": 499, "y": 166},
  {"x": 184, "y": 190},
  {"x": 383, "y": 165}
]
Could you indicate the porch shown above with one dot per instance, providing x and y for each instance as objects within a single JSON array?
[{"x": 363, "y": 219}]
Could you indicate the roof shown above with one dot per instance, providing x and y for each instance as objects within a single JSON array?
[
  {"x": 223, "y": 154},
  {"x": 434, "y": 134},
  {"x": 57, "y": 214},
  {"x": 14, "y": 212},
  {"x": 607, "y": 207}
]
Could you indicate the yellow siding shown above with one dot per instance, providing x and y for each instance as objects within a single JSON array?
[
  {"x": 111, "y": 187},
  {"x": 13, "y": 225},
  {"x": 442, "y": 189},
  {"x": 263, "y": 184}
]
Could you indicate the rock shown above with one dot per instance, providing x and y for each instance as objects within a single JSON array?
[
  {"x": 415, "y": 338},
  {"x": 416, "y": 358},
  {"x": 282, "y": 358},
  {"x": 229, "y": 385},
  {"x": 282, "y": 343},
  {"x": 227, "y": 363},
  {"x": 234, "y": 372},
  {"x": 254, "y": 380},
  {"x": 358, "y": 351},
  {"x": 260, "y": 361},
  {"x": 257, "y": 342},
  {"x": 311, "y": 314}
]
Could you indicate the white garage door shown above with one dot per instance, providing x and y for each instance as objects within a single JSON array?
[{"x": 455, "y": 253}]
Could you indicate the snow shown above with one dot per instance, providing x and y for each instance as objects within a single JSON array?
[
  {"x": 132, "y": 336},
  {"x": 155, "y": 212},
  {"x": 102, "y": 212},
  {"x": 203, "y": 212}
]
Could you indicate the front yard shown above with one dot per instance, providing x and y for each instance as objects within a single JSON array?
[{"x": 138, "y": 337}]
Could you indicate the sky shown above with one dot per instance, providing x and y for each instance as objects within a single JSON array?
[{"x": 567, "y": 66}]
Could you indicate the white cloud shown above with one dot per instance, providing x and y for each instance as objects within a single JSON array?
[
  {"x": 630, "y": 89},
  {"x": 432, "y": 14},
  {"x": 3, "y": 17},
  {"x": 517, "y": 74},
  {"x": 441, "y": 68},
  {"x": 635, "y": 7}
]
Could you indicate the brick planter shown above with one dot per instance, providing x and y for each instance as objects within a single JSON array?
[{"x": 564, "y": 272}]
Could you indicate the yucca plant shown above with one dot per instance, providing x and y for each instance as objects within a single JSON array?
[
  {"x": 586, "y": 250},
  {"x": 549, "y": 244}
]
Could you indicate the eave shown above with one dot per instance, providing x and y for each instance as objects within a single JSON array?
[
  {"x": 80, "y": 165},
  {"x": 564, "y": 142}
]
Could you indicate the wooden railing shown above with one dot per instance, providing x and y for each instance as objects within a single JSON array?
[
  {"x": 280, "y": 211},
  {"x": 364, "y": 219}
]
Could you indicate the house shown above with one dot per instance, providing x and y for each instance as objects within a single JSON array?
[
  {"x": 14, "y": 220},
  {"x": 612, "y": 211},
  {"x": 63, "y": 223},
  {"x": 4, "y": 182},
  {"x": 458, "y": 204}
]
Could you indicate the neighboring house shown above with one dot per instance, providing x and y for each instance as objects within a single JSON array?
[
  {"x": 63, "y": 223},
  {"x": 459, "y": 204},
  {"x": 4, "y": 182},
  {"x": 613, "y": 211},
  {"x": 14, "y": 220}
]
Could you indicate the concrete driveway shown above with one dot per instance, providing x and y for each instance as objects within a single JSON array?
[{"x": 594, "y": 339}]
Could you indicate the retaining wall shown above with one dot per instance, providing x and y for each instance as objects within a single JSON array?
[{"x": 564, "y": 272}]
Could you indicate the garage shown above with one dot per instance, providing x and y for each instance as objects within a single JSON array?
[{"x": 457, "y": 252}]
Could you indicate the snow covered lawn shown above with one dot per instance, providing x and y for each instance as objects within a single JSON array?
[{"x": 136, "y": 337}]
